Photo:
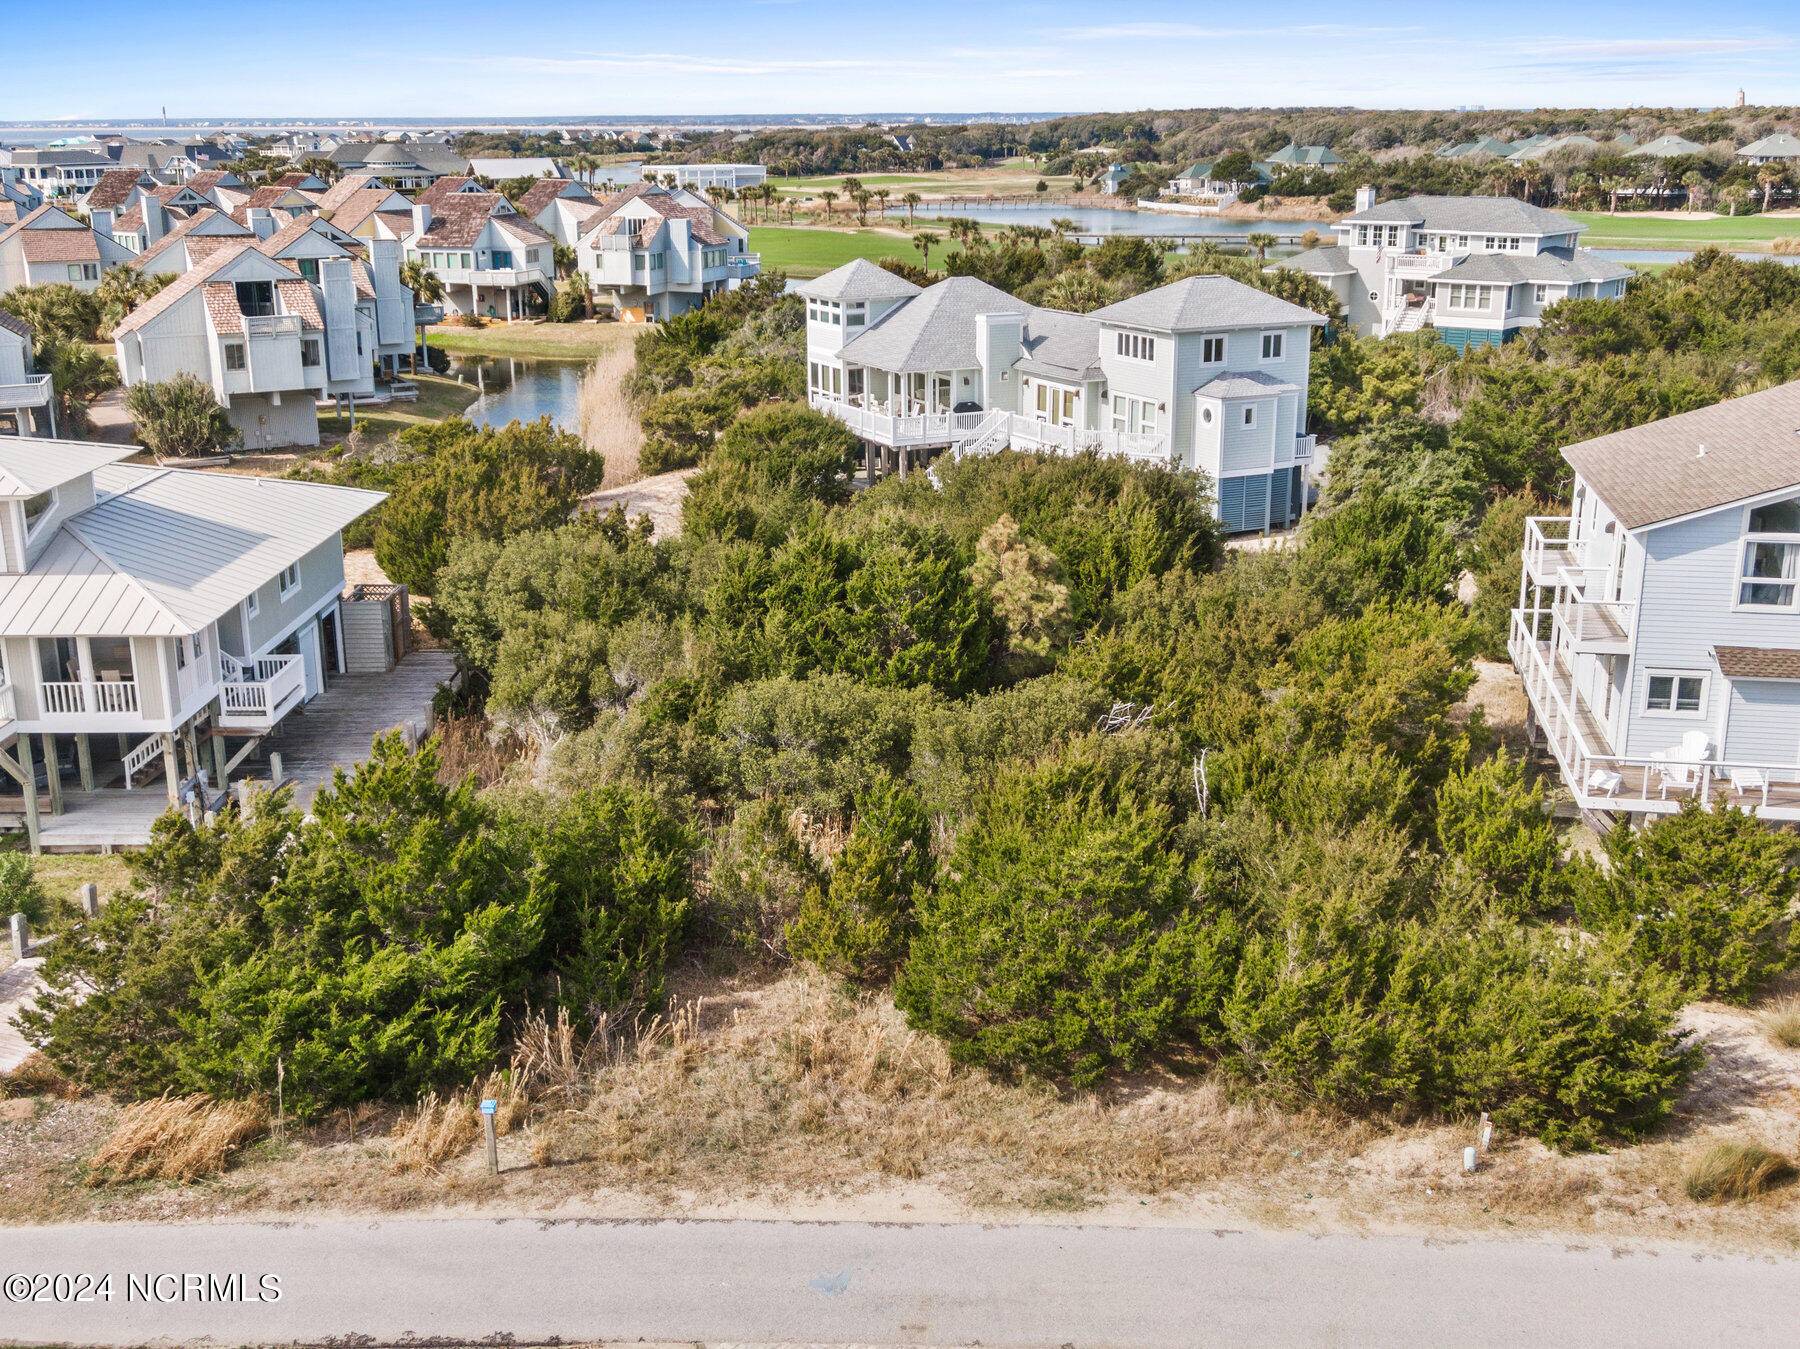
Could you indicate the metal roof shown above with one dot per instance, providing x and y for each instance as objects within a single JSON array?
[
  {"x": 29, "y": 465},
  {"x": 168, "y": 551},
  {"x": 1696, "y": 461},
  {"x": 1668, "y": 147}
]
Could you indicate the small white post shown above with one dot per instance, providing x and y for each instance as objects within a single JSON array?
[
  {"x": 1469, "y": 1162},
  {"x": 1487, "y": 1133},
  {"x": 275, "y": 775},
  {"x": 21, "y": 936},
  {"x": 487, "y": 1128},
  {"x": 89, "y": 896}
]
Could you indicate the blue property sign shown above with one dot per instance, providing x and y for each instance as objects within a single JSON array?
[{"x": 489, "y": 1107}]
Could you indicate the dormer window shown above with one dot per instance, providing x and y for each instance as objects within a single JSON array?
[
  {"x": 256, "y": 299},
  {"x": 36, "y": 508}
]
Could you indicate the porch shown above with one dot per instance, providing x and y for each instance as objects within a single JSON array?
[
  {"x": 1655, "y": 784},
  {"x": 334, "y": 730}
]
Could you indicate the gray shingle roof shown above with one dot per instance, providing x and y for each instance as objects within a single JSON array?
[
  {"x": 1559, "y": 266},
  {"x": 1245, "y": 384},
  {"x": 935, "y": 330},
  {"x": 1778, "y": 146},
  {"x": 1657, "y": 472},
  {"x": 1326, "y": 261},
  {"x": 1466, "y": 215},
  {"x": 1061, "y": 345},
  {"x": 858, "y": 280},
  {"x": 1668, "y": 147},
  {"x": 1199, "y": 303}
]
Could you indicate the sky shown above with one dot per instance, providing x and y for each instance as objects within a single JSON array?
[{"x": 458, "y": 59}]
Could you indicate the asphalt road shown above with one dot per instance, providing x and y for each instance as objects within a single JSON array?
[{"x": 843, "y": 1283}]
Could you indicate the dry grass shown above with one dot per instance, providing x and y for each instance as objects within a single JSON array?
[
  {"x": 443, "y": 1127},
  {"x": 1787, "y": 246},
  {"x": 804, "y": 1087},
  {"x": 609, "y": 423},
  {"x": 1732, "y": 1172},
  {"x": 472, "y": 744},
  {"x": 1781, "y": 1023},
  {"x": 36, "y": 1077},
  {"x": 178, "y": 1138}
]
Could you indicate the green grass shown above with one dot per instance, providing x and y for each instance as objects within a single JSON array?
[
  {"x": 554, "y": 341},
  {"x": 1014, "y": 178},
  {"x": 61, "y": 873},
  {"x": 1647, "y": 231},
  {"x": 439, "y": 398},
  {"x": 802, "y": 252}
]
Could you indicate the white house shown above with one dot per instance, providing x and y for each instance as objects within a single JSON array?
[
  {"x": 702, "y": 176},
  {"x": 498, "y": 170},
  {"x": 1478, "y": 269},
  {"x": 491, "y": 259},
  {"x": 26, "y": 397},
  {"x": 1204, "y": 374},
  {"x": 188, "y": 243},
  {"x": 49, "y": 246},
  {"x": 305, "y": 244},
  {"x": 560, "y": 207},
  {"x": 147, "y": 612},
  {"x": 1658, "y": 627},
  {"x": 60, "y": 172},
  {"x": 652, "y": 253},
  {"x": 270, "y": 342}
]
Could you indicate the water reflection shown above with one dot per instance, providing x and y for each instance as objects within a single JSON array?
[{"x": 513, "y": 389}]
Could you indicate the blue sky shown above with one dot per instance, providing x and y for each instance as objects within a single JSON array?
[{"x": 455, "y": 58}]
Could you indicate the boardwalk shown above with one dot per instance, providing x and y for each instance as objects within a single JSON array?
[
  {"x": 18, "y": 989},
  {"x": 332, "y": 731}
]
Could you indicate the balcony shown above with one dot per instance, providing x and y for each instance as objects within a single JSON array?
[
  {"x": 1595, "y": 626},
  {"x": 904, "y": 431},
  {"x": 35, "y": 392},
  {"x": 1304, "y": 446},
  {"x": 69, "y": 698},
  {"x": 1419, "y": 265},
  {"x": 1551, "y": 549},
  {"x": 264, "y": 327},
  {"x": 743, "y": 264},
  {"x": 1041, "y": 437},
  {"x": 258, "y": 693}
]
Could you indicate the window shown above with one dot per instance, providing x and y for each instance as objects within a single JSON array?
[
  {"x": 856, "y": 315},
  {"x": 1540, "y": 292},
  {"x": 1272, "y": 344},
  {"x": 234, "y": 355},
  {"x": 502, "y": 259},
  {"x": 1134, "y": 415},
  {"x": 1136, "y": 346},
  {"x": 84, "y": 271},
  {"x": 1206, "y": 416},
  {"x": 199, "y": 647},
  {"x": 1212, "y": 350},
  {"x": 1250, "y": 414},
  {"x": 290, "y": 579},
  {"x": 309, "y": 351},
  {"x": 36, "y": 508},
  {"x": 256, "y": 299},
  {"x": 180, "y": 654},
  {"x": 1771, "y": 557},
  {"x": 252, "y": 605},
  {"x": 309, "y": 268},
  {"x": 1674, "y": 693}
]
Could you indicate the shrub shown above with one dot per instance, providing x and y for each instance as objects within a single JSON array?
[
  {"x": 1060, "y": 941},
  {"x": 759, "y": 875},
  {"x": 768, "y": 467},
  {"x": 1023, "y": 585},
  {"x": 20, "y": 892},
  {"x": 465, "y": 481},
  {"x": 857, "y": 923},
  {"x": 180, "y": 418},
  {"x": 1375, "y": 548},
  {"x": 1495, "y": 830},
  {"x": 1734, "y": 1172},
  {"x": 1704, "y": 894}
]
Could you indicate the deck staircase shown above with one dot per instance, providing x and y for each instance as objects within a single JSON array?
[
  {"x": 145, "y": 759},
  {"x": 1415, "y": 318},
  {"x": 991, "y": 436}
]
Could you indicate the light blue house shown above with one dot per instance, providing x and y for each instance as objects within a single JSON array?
[
  {"x": 1205, "y": 374},
  {"x": 1658, "y": 627}
]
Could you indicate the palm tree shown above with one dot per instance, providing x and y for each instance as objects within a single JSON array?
[
  {"x": 882, "y": 195},
  {"x": 862, "y": 206},
  {"x": 768, "y": 198},
  {"x": 1694, "y": 182},
  {"x": 852, "y": 186},
  {"x": 1769, "y": 177},
  {"x": 78, "y": 375},
  {"x": 923, "y": 241},
  {"x": 912, "y": 200},
  {"x": 669, "y": 180},
  {"x": 426, "y": 285},
  {"x": 828, "y": 196},
  {"x": 1063, "y": 225},
  {"x": 1262, "y": 243}
]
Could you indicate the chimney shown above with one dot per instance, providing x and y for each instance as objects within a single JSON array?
[
  {"x": 998, "y": 340},
  {"x": 1365, "y": 198},
  {"x": 421, "y": 212},
  {"x": 156, "y": 219},
  {"x": 102, "y": 221},
  {"x": 262, "y": 223}
]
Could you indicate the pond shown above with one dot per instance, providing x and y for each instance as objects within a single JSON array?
[
  {"x": 522, "y": 390},
  {"x": 1112, "y": 220}
]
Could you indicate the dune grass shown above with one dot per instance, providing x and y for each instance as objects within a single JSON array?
[
  {"x": 1733, "y": 1172},
  {"x": 1781, "y": 1023},
  {"x": 177, "y": 1138}
]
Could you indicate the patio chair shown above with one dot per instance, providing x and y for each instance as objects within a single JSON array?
[
  {"x": 1604, "y": 782},
  {"x": 1680, "y": 768}
]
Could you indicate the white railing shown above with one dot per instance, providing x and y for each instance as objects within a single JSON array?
[
  {"x": 1419, "y": 262},
  {"x": 141, "y": 757},
  {"x": 1145, "y": 446},
  {"x": 1550, "y": 544},
  {"x": 1304, "y": 447},
  {"x": 272, "y": 325},
  {"x": 744, "y": 262},
  {"x": 931, "y": 428},
  {"x": 1601, "y": 780},
  {"x": 66, "y": 697},
  {"x": 9, "y": 703},
  {"x": 1595, "y": 623},
  {"x": 35, "y": 392},
  {"x": 255, "y": 691}
]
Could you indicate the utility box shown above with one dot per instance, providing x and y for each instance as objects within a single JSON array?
[{"x": 377, "y": 628}]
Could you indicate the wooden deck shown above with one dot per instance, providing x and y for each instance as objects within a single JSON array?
[
  {"x": 332, "y": 731},
  {"x": 19, "y": 986}
]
